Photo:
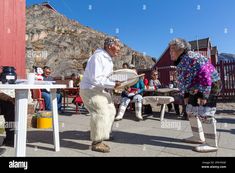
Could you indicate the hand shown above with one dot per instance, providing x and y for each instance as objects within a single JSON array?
[
  {"x": 202, "y": 102},
  {"x": 117, "y": 84},
  {"x": 186, "y": 101}
]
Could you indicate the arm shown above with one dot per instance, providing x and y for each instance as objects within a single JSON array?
[
  {"x": 97, "y": 75},
  {"x": 124, "y": 94},
  {"x": 141, "y": 87},
  {"x": 188, "y": 69},
  {"x": 7, "y": 96},
  {"x": 207, "y": 75},
  {"x": 151, "y": 83}
]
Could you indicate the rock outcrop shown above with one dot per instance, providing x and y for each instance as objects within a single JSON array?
[{"x": 64, "y": 44}]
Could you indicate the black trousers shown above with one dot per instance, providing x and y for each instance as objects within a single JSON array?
[
  {"x": 216, "y": 87},
  {"x": 211, "y": 101},
  {"x": 176, "y": 106},
  {"x": 8, "y": 110}
]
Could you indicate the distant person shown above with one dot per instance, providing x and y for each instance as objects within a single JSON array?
[
  {"x": 46, "y": 94},
  {"x": 132, "y": 66},
  {"x": 96, "y": 98},
  {"x": 154, "y": 83},
  {"x": 76, "y": 80},
  {"x": 199, "y": 84},
  {"x": 125, "y": 65},
  {"x": 146, "y": 82},
  {"x": 174, "y": 84},
  {"x": 84, "y": 64}
]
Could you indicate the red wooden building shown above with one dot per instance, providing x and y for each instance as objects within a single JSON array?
[
  {"x": 12, "y": 35},
  {"x": 48, "y": 5},
  {"x": 165, "y": 66},
  {"x": 214, "y": 55}
]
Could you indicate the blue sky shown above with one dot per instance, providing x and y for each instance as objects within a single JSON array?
[{"x": 148, "y": 25}]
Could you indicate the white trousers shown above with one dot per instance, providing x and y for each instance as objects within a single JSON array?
[
  {"x": 125, "y": 102},
  {"x": 102, "y": 110},
  {"x": 203, "y": 123}
]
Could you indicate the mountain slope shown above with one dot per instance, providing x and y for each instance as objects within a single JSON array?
[{"x": 63, "y": 44}]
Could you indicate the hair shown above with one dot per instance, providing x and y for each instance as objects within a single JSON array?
[
  {"x": 154, "y": 71},
  {"x": 125, "y": 64},
  {"x": 180, "y": 44},
  {"x": 84, "y": 64},
  {"x": 132, "y": 66},
  {"x": 73, "y": 75},
  {"x": 110, "y": 41},
  {"x": 46, "y": 67}
]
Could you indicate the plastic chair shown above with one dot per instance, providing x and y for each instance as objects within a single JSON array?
[
  {"x": 37, "y": 96},
  {"x": 78, "y": 101}
]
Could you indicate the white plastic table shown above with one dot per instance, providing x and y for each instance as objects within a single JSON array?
[{"x": 21, "y": 109}]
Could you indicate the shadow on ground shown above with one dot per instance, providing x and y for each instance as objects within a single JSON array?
[
  {"x": 224, "y": 111},
  {"x": 68, "y": 139},
  {"x": 130, "y": 115},
  {"x": 226, "y": 120},
  {"x": 232, "y": 131}
]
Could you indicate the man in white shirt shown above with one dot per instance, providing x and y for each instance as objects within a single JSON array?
[{"x": 92, "y": 90}]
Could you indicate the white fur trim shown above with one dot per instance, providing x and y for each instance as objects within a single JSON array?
[{"x": 102, "y": 110}]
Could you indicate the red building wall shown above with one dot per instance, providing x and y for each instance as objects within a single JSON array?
[
  {"x": 12, "y": 35},
  {"x": 164, "y": 64},
  {"x": 214, "y": 59},
  {"x": 164, "y": 73}
]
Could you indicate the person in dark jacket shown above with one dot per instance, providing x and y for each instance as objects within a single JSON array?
[{"x": 7, "y": 108}]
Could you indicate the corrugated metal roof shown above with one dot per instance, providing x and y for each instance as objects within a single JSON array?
[
  {"x": 48, "y": 5},
  {"x": 199, "y": 44}
]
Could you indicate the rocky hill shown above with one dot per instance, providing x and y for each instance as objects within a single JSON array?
[{"x": 64, "y": 44}]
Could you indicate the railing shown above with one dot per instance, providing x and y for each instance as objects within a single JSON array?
[{"x": 227, "y": 74}]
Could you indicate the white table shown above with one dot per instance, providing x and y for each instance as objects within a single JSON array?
[
  {"x": 167, "y": 90},
  {"x": 21, "y": 109}
]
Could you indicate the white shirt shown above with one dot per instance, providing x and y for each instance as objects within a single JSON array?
[{"x": 99, "y": 67}]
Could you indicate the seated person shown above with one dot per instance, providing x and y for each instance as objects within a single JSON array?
[
  {"x": 173, "y": 83},
  {"x": 125, "y": 65},
  {"x": 134, "y": 94},
  {"x": 76, "y": 80},
  {"x": 46, "y": 94},
  {"x": 154, "y": 82},
  {"x": 178, "y": 99},
  {"x": 146, "y": 82},
  {"x": 7, "y": 109}
]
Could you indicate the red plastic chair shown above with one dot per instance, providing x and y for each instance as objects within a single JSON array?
[
  {"x": 78, "y": 101},
  {"x": 37, "y": 96}
]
